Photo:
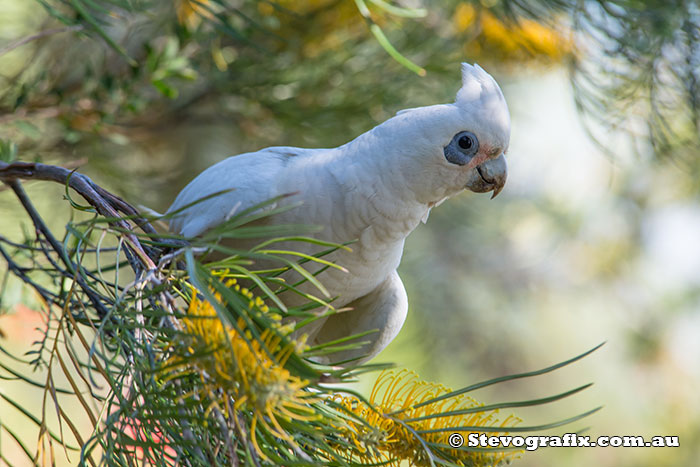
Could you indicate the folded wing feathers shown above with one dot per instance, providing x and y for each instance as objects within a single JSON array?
[{"x": 251, "y": 177}]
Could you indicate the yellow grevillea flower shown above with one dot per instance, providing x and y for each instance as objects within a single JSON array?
[
  {"x": 190, "y": 12},
  {"x": 510, "y": 41},
  {"x": 233, "y": 364},
  {"x": 396, "y": 424}
]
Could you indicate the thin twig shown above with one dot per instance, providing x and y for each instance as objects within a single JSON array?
[
  {"x": 20, "y": 272},
  {"x": 41, "y": 227},
  {"x": 46, "y": 32}
]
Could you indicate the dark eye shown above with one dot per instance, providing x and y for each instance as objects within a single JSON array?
[
  {"x": 465, "y": 142},
  {"x": 461, "y": 148}
]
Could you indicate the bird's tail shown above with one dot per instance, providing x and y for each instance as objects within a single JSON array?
[
  {"x": 149, "y": 211},
  {"x": 154, "y": 215}
]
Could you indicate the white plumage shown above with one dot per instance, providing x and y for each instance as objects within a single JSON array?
[{"x": 374, "y": 189}]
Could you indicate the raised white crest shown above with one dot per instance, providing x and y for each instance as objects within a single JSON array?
[{"x": 479, "y": 87}]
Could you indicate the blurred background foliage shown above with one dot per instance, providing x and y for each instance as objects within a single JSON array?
[{"x": 595, "y": 236}]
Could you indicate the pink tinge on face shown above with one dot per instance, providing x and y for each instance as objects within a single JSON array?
[{"x": 479, "y": 159}]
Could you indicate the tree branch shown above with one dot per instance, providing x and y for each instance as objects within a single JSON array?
[{"x": 105, "y": 203}]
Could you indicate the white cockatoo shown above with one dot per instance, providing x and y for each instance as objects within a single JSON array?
[{"x": 373, "y": 190}]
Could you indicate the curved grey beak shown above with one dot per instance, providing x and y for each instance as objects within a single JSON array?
[{"x": 489, "y": 176}]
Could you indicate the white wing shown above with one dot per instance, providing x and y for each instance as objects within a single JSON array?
[
  {"x": 384, "y": 309},
  {"x": 252, "y": 178}
]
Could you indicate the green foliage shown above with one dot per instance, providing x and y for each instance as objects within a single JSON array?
[
  {"x": 166, "y": 65},
  {"x": 132, "y": 71},
  {"x": 636, "y": 71},
  {"x": 175, "y": 361},
  {"x": 634, "y": 64},
  {"x": 8, "y": 151}
]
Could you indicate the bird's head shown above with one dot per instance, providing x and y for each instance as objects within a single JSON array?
[
  {"x": 483, "y": 132},
  {"x": 460, "y": 145}
]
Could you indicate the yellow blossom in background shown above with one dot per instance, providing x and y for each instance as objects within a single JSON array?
[
  {"x": 489, "y": 36},
  {"x": 190, "y": 12},
  {"x": 465, "y": 15},
  {"x": 395, "y": 426},
  {"x": 333, "y": 23},
  {"x": 250, "y": 371}
]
